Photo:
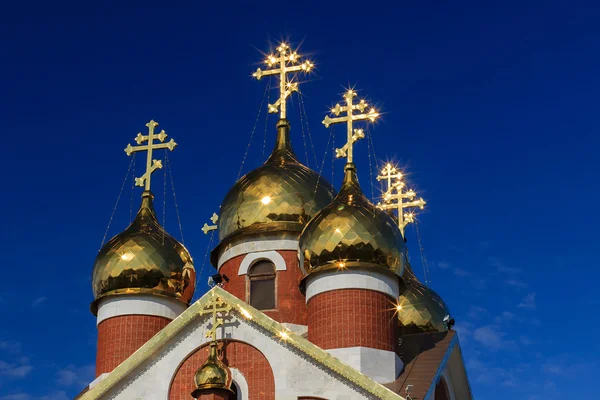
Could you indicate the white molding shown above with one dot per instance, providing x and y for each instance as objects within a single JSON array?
[
  {"x": 272, "y": 256},
  {"x": 138, "y": 304},
  {"x": 448, "y": 380},
  {"x": 252, "y": 246},
  {"x": 98, "y": 379},
  {"x": 352, "y": 279},
  {"x": 243, "y": 393},
  {"x": 374, "y": 363}
]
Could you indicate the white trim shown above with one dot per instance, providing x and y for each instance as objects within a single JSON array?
[
  {"x": 138, "y": 304},
  {"x": 98, "y": 379},
  {"x": 376, "y": 364},
  {"x": 352, "y": 279},
  {"x": 272, "y": 256},
  {"x": 241, "y": 383},
  {"x": 448, "y": 380},
  {"x": 252, "y": 246}
]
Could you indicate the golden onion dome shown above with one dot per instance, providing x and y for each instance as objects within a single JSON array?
[
  {"x": 421, "y": 309},
  {"x": 213, "y": 374},
  {"x": 144, "y": 259},
  {"x": 281, "y": 195},
  {"x": 351, "y": 232}
]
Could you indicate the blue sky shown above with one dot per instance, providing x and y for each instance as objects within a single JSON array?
[{"x": 492, "y": 108}]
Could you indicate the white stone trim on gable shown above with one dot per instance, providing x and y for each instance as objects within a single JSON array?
[
  {"x": 272, "y": 256},
  {"x": 291, "y": 371},
  {"x": 138, "y": 304},
  {"x": 376, "y": 364},
  {"x": 352, "y": 279},
  {"x": 257, "y": 245},
  {"x": 241, "y": 383}
]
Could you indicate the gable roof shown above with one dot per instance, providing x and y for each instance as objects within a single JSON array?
[
  {"x": 425, "y": 356},
  {"x": 252, "y": 316}
]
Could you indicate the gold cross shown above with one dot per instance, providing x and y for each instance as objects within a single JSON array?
[
  {"x": 151, "y": 165},
  {"x": 286, "y": 60},
  {"x": 216, "y": 305},
  {"x": 207, "y": 228},
  {"x": 353, "y": 135},
  {"x": 388, "y": 173}
]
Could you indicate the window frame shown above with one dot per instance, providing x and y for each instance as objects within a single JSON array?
[{"x": 261, "y": 277}]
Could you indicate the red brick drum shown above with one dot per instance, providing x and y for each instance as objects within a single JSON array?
[
  {"x": 245, "y": 358},
  {"x": 119, "y": 337},
  {"x": 352, "y": 317},
  {"x": 289, "y": 301}
]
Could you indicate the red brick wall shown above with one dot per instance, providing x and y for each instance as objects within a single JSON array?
[
  {"x": 291, "y": 304},
  {"x": 119, "y": 337},
  {"x": 352, "y": 317},
  {"x": 245, "y": 358}
]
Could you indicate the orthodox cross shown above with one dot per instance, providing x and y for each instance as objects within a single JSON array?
[
  {"x": 207, "y": 228},
  {"x": 287, "y": 61},
  {"x": 151, "y": 165},
  {"x": 215, "y": 306},
  {"x": 395, "y": 195},
  {"x": 353, "y": 135}
]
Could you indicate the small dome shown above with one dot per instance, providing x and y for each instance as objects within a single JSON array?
[
  {"x": 423, "y": 310},
  {"x": 213, "y": 374},
  {"x": 144, "y": 259},
  {"x": 281, "y": 195},
  {"x": 352, "y": 232}
]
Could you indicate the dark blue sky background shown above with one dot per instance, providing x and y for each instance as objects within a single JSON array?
[{"x": 491, "y": 106}]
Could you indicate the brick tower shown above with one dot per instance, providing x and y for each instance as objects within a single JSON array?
[
  {"x": 143, "y": 278},
  {"x": 265, "y": 211},
  {"x": 353, "y": 254}
]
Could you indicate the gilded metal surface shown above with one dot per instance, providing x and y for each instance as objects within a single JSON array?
[
  {"x": 144, "y": 259},
  {"x": 281, "y": 195},
  {"x": 213, "y": 374},
  {"x": 352, "y": 232},
  {"x": 422, "y": 309},
  {"x": 152, "y": 348}
]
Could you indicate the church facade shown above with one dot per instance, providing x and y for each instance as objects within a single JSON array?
[{"x": 313, "y": 296}]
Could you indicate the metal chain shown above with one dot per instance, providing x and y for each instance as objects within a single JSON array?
[
  {"x": 116, "y": 204},
  {"x": 252, "y": 133},
  {"x": 132, "y": 191},
  {"x": 164, "y": 200},
  {"x": 302, "y": 129},
  {"x": 266, "y": 118},
  {"x": 175, "y": 199},
  {"x": 303, "y": 109},
  {"x": 423, "y": 258},
  {"x": 370, "y": 165},
  {"x": 323, "y": 162}
]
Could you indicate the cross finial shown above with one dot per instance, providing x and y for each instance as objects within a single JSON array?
[
  {"x": 215, "y": 306},
  {"x": 353, "y": 135},
  {"x": 207, "y": 228},
  {"x": 151, "y": 165},
  {"x": 287, "y": 61},
  {"x": 395, "y": 195}
]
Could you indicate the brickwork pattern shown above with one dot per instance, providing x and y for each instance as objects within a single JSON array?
[
  {"x": 245, "y": 358},
  {"x": 119, "y": 337},
  {"x": 290, "y": 303},
  {"x": 350, "y": 318}
]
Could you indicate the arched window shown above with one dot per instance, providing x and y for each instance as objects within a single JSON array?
[
  {"x": 441, "y": 390},
  {"x": 261, "y": 279}
]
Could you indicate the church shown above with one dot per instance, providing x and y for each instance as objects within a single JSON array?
[{"x": 313, "y": 295}]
